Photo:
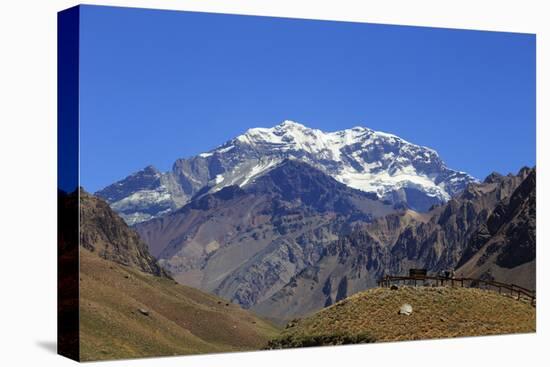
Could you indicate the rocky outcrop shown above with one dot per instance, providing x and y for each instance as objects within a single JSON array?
[
  {"x": 505, "y": 247},
  {"x": 104, "y": 233}
]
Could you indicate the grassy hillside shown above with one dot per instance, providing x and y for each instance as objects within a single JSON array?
[
  {"x": 180, "y": 320},
  {"x": 439, "y": 312}
]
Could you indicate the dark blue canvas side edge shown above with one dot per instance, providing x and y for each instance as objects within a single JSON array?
[{"x": 68, "y": 35}]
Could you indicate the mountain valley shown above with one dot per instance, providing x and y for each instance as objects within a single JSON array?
[{"x": 130, "y": 307}]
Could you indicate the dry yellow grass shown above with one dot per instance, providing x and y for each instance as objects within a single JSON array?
[
  {"x": 181, "y": 320},
  {"x": 438, "y": 312}
]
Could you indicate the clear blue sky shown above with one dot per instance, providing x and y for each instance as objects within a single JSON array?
[{"x": 160, "y": 85}]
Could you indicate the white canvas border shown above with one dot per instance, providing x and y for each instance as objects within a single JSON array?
[{"x": 28, "y": 184}]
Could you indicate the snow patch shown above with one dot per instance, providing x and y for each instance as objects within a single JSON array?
[{"x": 257, "y": 170}]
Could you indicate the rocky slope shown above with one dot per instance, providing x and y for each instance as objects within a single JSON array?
[
  {"x": 505, "y": 247},
  {"x": 103, "y": 232},
  {"x": 436, "y": 240},
  {"x": 129, "y": 307},
  {"x": 245, "y": 243},
  {"x": 395, "y": 170}
]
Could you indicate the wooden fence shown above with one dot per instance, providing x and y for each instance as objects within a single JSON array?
[{"x": 512, "y": 289}]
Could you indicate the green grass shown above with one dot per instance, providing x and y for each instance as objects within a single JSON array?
[{"x": 315, "y": 340}]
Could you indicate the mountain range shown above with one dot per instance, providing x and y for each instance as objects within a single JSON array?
[
  {"x": 451, "y": 236},
  {"x": 244, "y": 243},
  {"x": 296, "y": 240},
  {"x": 287, "y": 220},
  {"x": 397, "y": 171}
]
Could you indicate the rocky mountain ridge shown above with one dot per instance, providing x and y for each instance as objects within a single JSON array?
[
  {"x": 244, "y": 243},
  {"x": 294, "y": 240},
  {"x": 104, "y": 233},
  {"x": 437, "y": 240},
  {"x": 505, "y": 247},
  {"x": 395, "y": 170}
]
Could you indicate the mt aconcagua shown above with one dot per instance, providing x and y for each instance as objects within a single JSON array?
[{"x": 400, "y": 173}]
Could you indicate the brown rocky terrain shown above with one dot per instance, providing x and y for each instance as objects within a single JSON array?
[
  {"x": 436, "y": 240},
  {"x": 504, "y": 249},
  {"x": 103, "y": 232},
  {"x": 246, "y": 243}
]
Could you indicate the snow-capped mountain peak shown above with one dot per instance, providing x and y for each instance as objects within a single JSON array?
[
  {"x": 359, "y": 157},
  {"x": 396, "y": 170},
  {"x": 293, "y": 136},
  {"x": 290, "y": 135},
  {"x": 289, "y": 124}
]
